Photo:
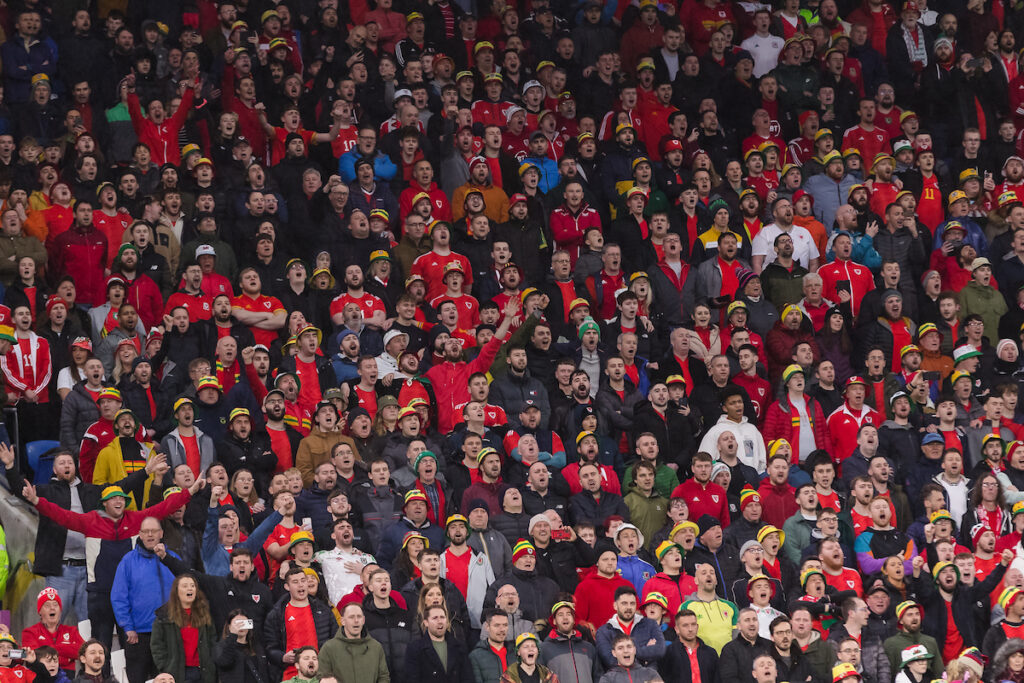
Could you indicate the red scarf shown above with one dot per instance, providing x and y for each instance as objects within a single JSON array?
[
  {"x": 435, "y": 516},
  {"x": 730, "y": 283}
]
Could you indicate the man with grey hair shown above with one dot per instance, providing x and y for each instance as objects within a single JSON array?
[{"x": 814, "y": 304}]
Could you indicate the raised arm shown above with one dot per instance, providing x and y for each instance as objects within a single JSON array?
[{"x": 74, "y": 521}]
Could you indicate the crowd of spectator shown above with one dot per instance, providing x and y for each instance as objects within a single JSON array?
[{"x": 520, "y": 341}]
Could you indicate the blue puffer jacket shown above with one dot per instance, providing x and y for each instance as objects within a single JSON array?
[
  {"x": 636, "y": 571},
  {"x": 22, "y": 62},
  {"x": 141, "y": 585},
  {"x": 643, "y": 631},
  {"x": 549, "y": 175},
  {"x": 383, "y": 168}
]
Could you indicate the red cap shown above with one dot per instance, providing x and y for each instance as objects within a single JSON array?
[
  {"x": 802, "y": 119},
  {"x": 671, "y": 144},
  {"x": 800, "y": 194},
  {"x": 516, "y": 198}
]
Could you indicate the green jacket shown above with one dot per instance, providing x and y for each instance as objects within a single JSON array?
[
  {"x": 512, "y": 674},
  {"x": 359, "y": 660},
  {"x": 984, "y": 301},
  {"x": 820, "y": 656},
  {"x": 894, "y": 645},
  {"x": 299, "y": 679},
  {"x": 225, "y": 265},
  {"x": 798, "y": 536},
  {"x": 781, "y": 286},
  {"x": 665, "y": 479},
  {"x": 798, "y": 86},
  {"x": 648, "y": 513},
  {"x": 168, "y": 649},
  {"x": 519, "y": 338},
  {"x": 486, "y": 665}
]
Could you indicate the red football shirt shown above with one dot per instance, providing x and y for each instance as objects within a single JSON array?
[{"x": 259, "y": 304}]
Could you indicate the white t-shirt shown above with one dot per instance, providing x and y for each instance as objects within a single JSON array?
[
  {"x": 806, "y": 444},
  {"x": 340, "y": 581},
  {"x": 804, "y": 248},
  {"x": 765, "y": 52}
]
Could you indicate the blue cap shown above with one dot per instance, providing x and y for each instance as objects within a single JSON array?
[
  {"x": 844, "y": 232},
  {"x": 344, "y": 333},
  {"x": 932, "y": 437}
]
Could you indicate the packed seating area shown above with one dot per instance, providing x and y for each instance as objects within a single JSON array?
[{"x": 512, "y": 341}]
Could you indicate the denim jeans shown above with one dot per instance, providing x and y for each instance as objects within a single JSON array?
[{"x": 71, "y": 586}]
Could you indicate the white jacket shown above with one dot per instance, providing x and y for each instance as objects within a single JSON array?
[
  {"x": 751, "y": 449},
  {"x": 480, "y": 577}
]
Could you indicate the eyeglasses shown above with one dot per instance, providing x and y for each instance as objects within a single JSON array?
[{"x": 850, "y": 651}]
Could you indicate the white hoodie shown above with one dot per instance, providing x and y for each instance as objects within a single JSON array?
[{"x": 751, "y": 449}]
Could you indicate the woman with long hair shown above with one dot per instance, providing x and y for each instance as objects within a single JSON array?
[
  {"x": 705, "y": 335},
  {"x": 404, "y": 569},
  {"x": 894, "y": 578},
  {"x": 641, "y": 286},
  {"x": 986, "y": 505},
  {"x": 386, "y": 420},
  {"x": 835, "y": 344},
  {"x": 123, "y": 357},
  {"x": 183, "y": 634},
  {"x": 251, "y": 508},
  {"x": 239, "y": 653}
]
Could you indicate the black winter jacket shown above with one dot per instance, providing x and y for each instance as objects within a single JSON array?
[
  {"x": 422, "y": 664},
  {"x": 675, "y": 665},
  {"x": 274, "y": 637},
  {"x": 964, "y": 601},
  {"x": 583, "y": 507},
  {"x": 235, "y": 665},
  {"x": 226, "y": 594},
  {"x": 537, "y": 593},
  {"x": 393, "y": 629},
  {"x": 253, "y": 454}
]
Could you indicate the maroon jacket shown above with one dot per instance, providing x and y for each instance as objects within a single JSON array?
[
  {"x": 778, "y": 503},
  {"x": 145, "y": 295},
  {"x": 778, "y": 346}
]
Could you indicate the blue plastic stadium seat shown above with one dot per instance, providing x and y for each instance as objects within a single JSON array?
[{"x": 43, "y": 467}]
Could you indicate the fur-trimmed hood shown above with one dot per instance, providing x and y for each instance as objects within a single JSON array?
[{"x": 998, "y": 665}]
